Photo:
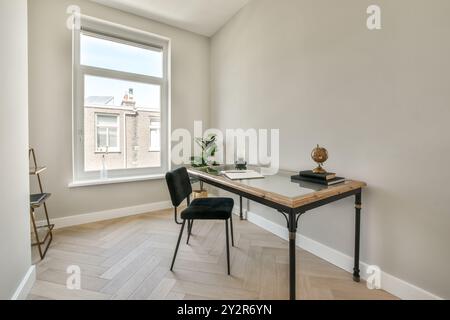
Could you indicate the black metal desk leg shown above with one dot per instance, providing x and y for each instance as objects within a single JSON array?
[
  {"x": 292, "y": 256},
  {"x": 358, "y": 207},
  {"x": 232, "y": 229}
]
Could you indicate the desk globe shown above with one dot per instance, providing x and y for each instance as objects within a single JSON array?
[{"x": 320, "y": 156}]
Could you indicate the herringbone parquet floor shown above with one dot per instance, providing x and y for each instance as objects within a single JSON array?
[{"x": 129, "y": 258}]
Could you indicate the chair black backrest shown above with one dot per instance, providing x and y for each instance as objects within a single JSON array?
[{"x": 179, "y": 185}]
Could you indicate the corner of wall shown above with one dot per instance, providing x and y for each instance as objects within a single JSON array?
[{"x": 25, "y": 286}]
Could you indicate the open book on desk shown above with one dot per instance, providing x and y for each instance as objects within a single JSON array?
[{"x": 242, "y": 174}]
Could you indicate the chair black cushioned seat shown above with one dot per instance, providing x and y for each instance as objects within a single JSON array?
[
  {"x": 209, "y": 209},
  {"x": 180, "y": 189}
]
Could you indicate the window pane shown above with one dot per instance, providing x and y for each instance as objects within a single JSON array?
[
  {"x": 112, "y": 93},
  {"x": 106, "y": 121},
  {"x": 102, "y": 138},
  {"x": 138, "y": 106},
  {"x": 113, "y": 139},
  {"x": 155, "y": 140},
  {"x": 106, "y": 54}
]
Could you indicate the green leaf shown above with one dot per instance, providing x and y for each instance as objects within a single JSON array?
[{"x": 211, "y": 151}]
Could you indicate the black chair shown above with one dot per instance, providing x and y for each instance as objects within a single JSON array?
[{"x": 200, "y": 209}]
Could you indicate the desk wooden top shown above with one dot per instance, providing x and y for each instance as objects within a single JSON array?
[{"x": 280, "y": 189}]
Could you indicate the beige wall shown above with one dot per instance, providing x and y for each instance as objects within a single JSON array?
[
  {"x": 379, "y": 101},
  {"x": 51, "y": 111},
  {"x": 15, "y": 250}
]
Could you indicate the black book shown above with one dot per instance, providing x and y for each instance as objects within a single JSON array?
[
  {"x": 36, "y": 198},
  {"x": 331, "y": 182},
  {"x": 319, "y": 176}
]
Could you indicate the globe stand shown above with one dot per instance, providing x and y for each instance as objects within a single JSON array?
[{"x": 319, "y": 170}]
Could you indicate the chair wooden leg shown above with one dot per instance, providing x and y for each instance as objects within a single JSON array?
[
  {"x": 178, "y": 244},
  {"x": 232, "y": 230},
  {"x": 228, "y": 247},
  {"x": 36, "y": 234},
  {"x": 190, "y": 225}
]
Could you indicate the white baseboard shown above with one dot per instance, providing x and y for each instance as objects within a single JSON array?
[
  {"x": 25, "y": 286},
  {"x": 389, "y": 283},
  {"x": 108, "y": 214}
]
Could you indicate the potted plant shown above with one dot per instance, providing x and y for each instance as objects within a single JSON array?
[{"x": 209, "y": 150}]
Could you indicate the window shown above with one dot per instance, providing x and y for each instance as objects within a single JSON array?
[
  {"x": 121, "y": 80},
  {"x": 107, "y": 128},
  {"x": 155, "y": 135}
]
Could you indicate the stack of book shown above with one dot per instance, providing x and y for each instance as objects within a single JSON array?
[
  {"x": 327, "y": 179},
  {"x": 36, "y": 199}
]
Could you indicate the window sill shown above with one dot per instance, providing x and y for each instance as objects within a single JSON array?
[
  {"x": 89, "y": 183},
  {"x": 109, "y": 152}
]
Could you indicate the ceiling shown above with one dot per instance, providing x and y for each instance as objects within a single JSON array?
[{"x": 204, "y": 17}]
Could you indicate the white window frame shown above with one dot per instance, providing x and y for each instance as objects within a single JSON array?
[
  {"x": 152, "y": 148},
  {"x": 130, "y": 36},
  {"x": 108, "y": 149}
]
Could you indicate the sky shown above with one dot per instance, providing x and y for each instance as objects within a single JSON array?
[
  {"x": 145, "y": 95},
  {"x": 120, "y": 57}
]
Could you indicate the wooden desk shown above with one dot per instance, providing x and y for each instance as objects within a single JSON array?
[{"x": 292, "y": 199}]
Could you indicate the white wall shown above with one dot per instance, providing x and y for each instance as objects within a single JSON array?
[
  {"x": 15, "y": 250},
  {"x": 51, "y": 106},
  {"x": 378, "y": 100}
]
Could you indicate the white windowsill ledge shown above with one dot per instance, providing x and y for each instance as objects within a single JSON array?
[{"x": 79, "y": 184}]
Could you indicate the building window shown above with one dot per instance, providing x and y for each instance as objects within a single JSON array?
[
  {"x": 107, "y": 128},
  {"x": 155, "y": 135},
  {"x": 121, "y": 79}
]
